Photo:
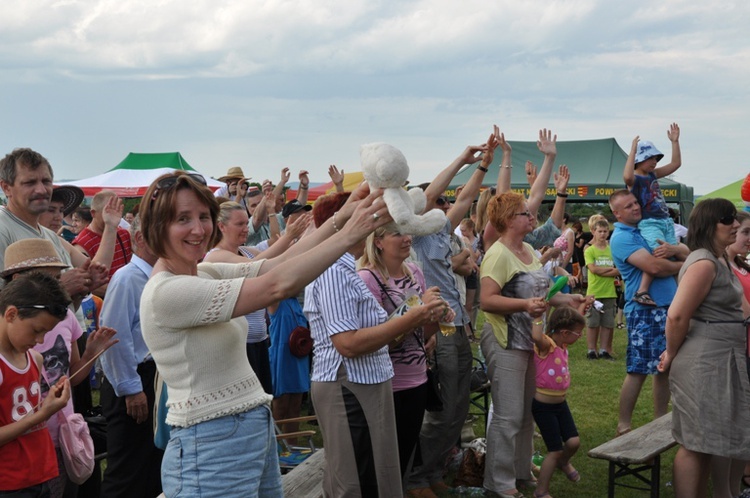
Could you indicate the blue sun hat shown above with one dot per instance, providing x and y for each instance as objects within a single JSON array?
[{"x": 647, "y": 150}]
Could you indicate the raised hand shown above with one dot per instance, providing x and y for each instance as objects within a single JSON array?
[
  {"x": 547, "y": 143},
  {"x": 472, "y": 154},
  {"x": 285, "y": 176},
  {"x": 100, "y": 340},
  {"x": 562, "y": 177},
  {"x": 634, "y": 145},
  {"x": 304, "y": 179},
  {"x": 266, "y": 186},
  {"x": 531, "y": 172},
  {"x": 337, "y": 176},
  {"x": 298, "y": 226},
  {"x": 504, "y": 145},
  {"x": 492, "y": 142},
  {"x": 370, "y": 213},
  {"x": 673, "y": 133},
  {"x": 112, "y": 212}
]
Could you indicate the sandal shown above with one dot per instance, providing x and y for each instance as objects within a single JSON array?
[
  {"x": 620, "y": 325},
  {"x": 573, "y": 475},
  {"x": 644, "y": 298}
]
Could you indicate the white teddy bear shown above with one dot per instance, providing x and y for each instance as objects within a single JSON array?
[{"x": 384, "y": 166}]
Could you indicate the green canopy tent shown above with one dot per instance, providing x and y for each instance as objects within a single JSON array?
[
  {"x": 731, "y": 192},
  {"x": 595, "y": 172}
]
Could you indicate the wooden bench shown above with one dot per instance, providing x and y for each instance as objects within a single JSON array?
[
  {"x": 636, "y": 453},
  {"x": 306, "y": 479}
]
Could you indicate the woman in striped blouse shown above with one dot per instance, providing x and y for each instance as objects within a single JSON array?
[{"x": 351, "y": 378}]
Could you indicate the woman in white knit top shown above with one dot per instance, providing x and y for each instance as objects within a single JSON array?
[{"x": 222, "y": 441}]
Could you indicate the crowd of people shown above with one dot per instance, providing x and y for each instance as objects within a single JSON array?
[{"x": 239, "y": 303}]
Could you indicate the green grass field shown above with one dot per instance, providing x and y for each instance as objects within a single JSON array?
[{"x": 594, "y": 399}]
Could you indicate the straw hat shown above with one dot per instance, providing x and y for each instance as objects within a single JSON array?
[
  {"x": 232, "y": 173},
  {"x": 28, "y": 254},
  {"x": 70, "y": 195}
]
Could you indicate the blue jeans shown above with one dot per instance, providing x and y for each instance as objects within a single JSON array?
[{"x": 235, "y": 455}]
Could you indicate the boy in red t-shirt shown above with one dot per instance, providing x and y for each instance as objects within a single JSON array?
[{"x": 31, "y": 306}]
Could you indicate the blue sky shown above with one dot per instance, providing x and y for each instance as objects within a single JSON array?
[{"x": 303, "y": 84}]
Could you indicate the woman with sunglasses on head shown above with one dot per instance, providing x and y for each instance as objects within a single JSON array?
[
  {"x": 222, "y": 440},
  {"x": 706, "y": 358},
  {"x": 514, "y": 288},
  {"x": 394, "y": 282}
]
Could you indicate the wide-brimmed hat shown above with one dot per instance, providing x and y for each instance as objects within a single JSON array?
[
  {"x": 232, "y": 173},
  {"x": 647, "y": 150},
  {"x": 294, "y": 206},
  {"x": 70, "y": 195},
  {"x": 28, "y": 254}
]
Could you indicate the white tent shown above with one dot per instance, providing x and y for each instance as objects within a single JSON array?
[{"x": 132, "y": 177}]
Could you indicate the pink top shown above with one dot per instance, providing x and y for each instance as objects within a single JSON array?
[
  {"x": 744, "y": 277},
  {"x": 408, "y": 358},
  {"x": 56, "y": 350},
  {"x": 552, "y": 374}
]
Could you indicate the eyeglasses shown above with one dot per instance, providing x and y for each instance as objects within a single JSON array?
[
  {"x": 525, "y": 213},
  {"x": 52, "y": 309},
  {"x": 170, "y": 181},
  {"x": 577, "y": 334},
  {"x": 728, "y": 220}
]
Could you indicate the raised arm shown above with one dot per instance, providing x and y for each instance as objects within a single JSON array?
[
  {"x": 304, "y": 186},
  {"x": 337, "y": 177},
  {"x": 262, "y": 209},
  {"x": 471, "y": 189},
  {"x": 562, "y": 177},
  {"x": 443, "y": 179},
  {"x": 331, "y": 242},
  {"x": 547, "y": 145},
  {"x": 503, "y": 174},
  {"x": 279, "y": 188},
  {"x": 674, "y": 136},
  {"x": 628, "y": 173}
]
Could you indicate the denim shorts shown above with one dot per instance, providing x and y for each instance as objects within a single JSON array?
[{"x": 231, "y": 456}]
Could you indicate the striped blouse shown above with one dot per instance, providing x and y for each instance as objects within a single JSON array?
[{"x": 339, "y": 301}]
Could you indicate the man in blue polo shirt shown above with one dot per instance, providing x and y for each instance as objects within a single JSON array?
[{"x": 646, "y": 324}]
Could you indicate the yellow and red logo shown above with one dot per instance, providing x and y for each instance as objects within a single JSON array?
[{"x": 583, "y": 191}]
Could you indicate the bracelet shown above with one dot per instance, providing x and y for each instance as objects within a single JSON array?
[
  {"x": 303, "y": 187},
  {"x": 508, "y": 166},
  {"x": 333, "y": 218},
  {"x": 562, "y": 195},
  {"x": 540, "y": 322},
  {"x": 482, "y": 168}
]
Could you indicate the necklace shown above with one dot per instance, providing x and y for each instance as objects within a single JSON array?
[{"x": 520, "y": 251}]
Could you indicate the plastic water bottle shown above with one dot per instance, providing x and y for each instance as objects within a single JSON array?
[{"x": 537, "y": 459}]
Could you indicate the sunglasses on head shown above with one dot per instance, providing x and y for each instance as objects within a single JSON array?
[
  {"x": 52, "y": 309},
  {"x": 728, "y": 219},
  {"x": 170, "y": 181}
]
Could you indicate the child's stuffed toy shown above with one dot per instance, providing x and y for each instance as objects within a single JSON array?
[{"x": 384, "y": 166}]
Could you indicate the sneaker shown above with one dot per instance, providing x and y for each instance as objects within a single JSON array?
[
  {"x": 606, "y": 356},
  {"x": 591, "y": 355}
]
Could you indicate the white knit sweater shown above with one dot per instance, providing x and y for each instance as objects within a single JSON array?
[{"x": 198, "y": 348}]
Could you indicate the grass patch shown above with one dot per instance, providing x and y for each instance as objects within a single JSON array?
[{"x": 594, "y": 401}]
